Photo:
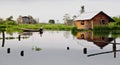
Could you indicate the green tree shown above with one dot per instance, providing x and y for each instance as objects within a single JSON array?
[
  {"x": 2, "y": 21},
  {"x": 51, "y": 21},
  {"x": 117, "y": 21},
  {"x": 10, "y": 18},
  {"x": 10, "y": 21}
]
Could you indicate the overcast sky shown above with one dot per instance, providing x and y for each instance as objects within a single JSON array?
[{"x": 55, "y": 9}]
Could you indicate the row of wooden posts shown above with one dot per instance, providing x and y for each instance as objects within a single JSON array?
[
  {"x": 21, "y": 53},
  {"x": 84, "y": 50}
]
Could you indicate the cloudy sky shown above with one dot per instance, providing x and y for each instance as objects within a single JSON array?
[{"x": 55, "y": 9}]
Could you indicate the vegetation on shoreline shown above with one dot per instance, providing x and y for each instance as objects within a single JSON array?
[
  {"x": 46, "y": 26},
  {"x": 10, "y": 25}
]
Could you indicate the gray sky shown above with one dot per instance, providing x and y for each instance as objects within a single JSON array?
[{"x": 55, "y": 9}]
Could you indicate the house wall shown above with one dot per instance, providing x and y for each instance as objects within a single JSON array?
[
  {"x": 80, "y": 26},
  {"x": 97, "y": 19},
  {"x": 94, "y": 21}
]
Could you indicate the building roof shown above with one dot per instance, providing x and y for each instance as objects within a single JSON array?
[
  {"x": 87, "y": 15},
  {"x": 90, "y": 15}
]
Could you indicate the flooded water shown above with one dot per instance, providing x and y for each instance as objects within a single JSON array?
[{"x": 58, "y": 48}]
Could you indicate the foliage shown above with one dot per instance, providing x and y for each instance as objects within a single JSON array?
[
  {"x": 117, "y": 21},
  {"x": 51, "y": 21},
  {"x": 74, "y": 31},
  {"x": 10, "y": 18},
  {"x": 69, "y": 20},
  {"x": 46, "y": 26}
]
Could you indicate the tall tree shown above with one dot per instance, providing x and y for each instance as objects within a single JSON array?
[{"x": 67, "y": 18}]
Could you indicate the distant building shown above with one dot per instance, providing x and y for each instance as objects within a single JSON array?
[
  {"x": 26, "y": 20},
  {"x": 88, "y": 20}
]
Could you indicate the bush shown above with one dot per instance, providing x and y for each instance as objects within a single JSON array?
[{"x": 51, "y": 21}]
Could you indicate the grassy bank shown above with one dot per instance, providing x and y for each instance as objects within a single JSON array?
[
  {"x": 17, "y": 27},
  {"x": 46, "y": 26},
  {"x": 114, "y": 28}
]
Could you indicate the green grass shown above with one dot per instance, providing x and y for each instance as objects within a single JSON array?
[
  {"x": 17, "y": 27},
  {"x": 46, "y": 26}
]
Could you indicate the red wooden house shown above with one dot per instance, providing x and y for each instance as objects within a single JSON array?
[{"x": 88, "y": 20}]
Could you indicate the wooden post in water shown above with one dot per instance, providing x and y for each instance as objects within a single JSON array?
[
  {"x": 85, "y": 50},
  {"x": 8, "y": 50},
  {"x": 68, "y": 48},
  {"x": 22, "y": 53},
  {"x": 114, "y": 48}
]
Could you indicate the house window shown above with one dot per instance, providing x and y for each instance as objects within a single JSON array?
[
  {"x": 102, "y": 21},
  {"x": 82, "y": 36},
  {"x": 82, "y": 22},
  {"x": 102, "y": 38}
]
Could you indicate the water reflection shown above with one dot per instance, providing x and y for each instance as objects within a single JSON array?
[
  {"x": 19, "y": 37},
  {"x": 40, "y": 32},
  {"x": 9, "y": 38},
  {"x": 3, "y": 39},
  {"x": 100, "y": 41},
  {"x": 24, "y": 35}
]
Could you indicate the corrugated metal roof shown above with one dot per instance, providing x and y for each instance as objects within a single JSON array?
[{"x": 87, "y": 15}]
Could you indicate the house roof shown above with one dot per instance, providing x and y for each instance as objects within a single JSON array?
[
  {"x": 87, "y": 15},
  {"x": 90, "y": 15}
]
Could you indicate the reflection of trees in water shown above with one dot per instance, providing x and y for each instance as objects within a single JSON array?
[{"x": 26, "y": 33}]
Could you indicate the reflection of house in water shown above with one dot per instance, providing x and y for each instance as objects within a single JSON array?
[
  {"x": 100, "y": 41},
  {"x": 114, "y": 50}
]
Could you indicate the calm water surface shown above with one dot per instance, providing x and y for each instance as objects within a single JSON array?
[{"x": 58, "y": 48}]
